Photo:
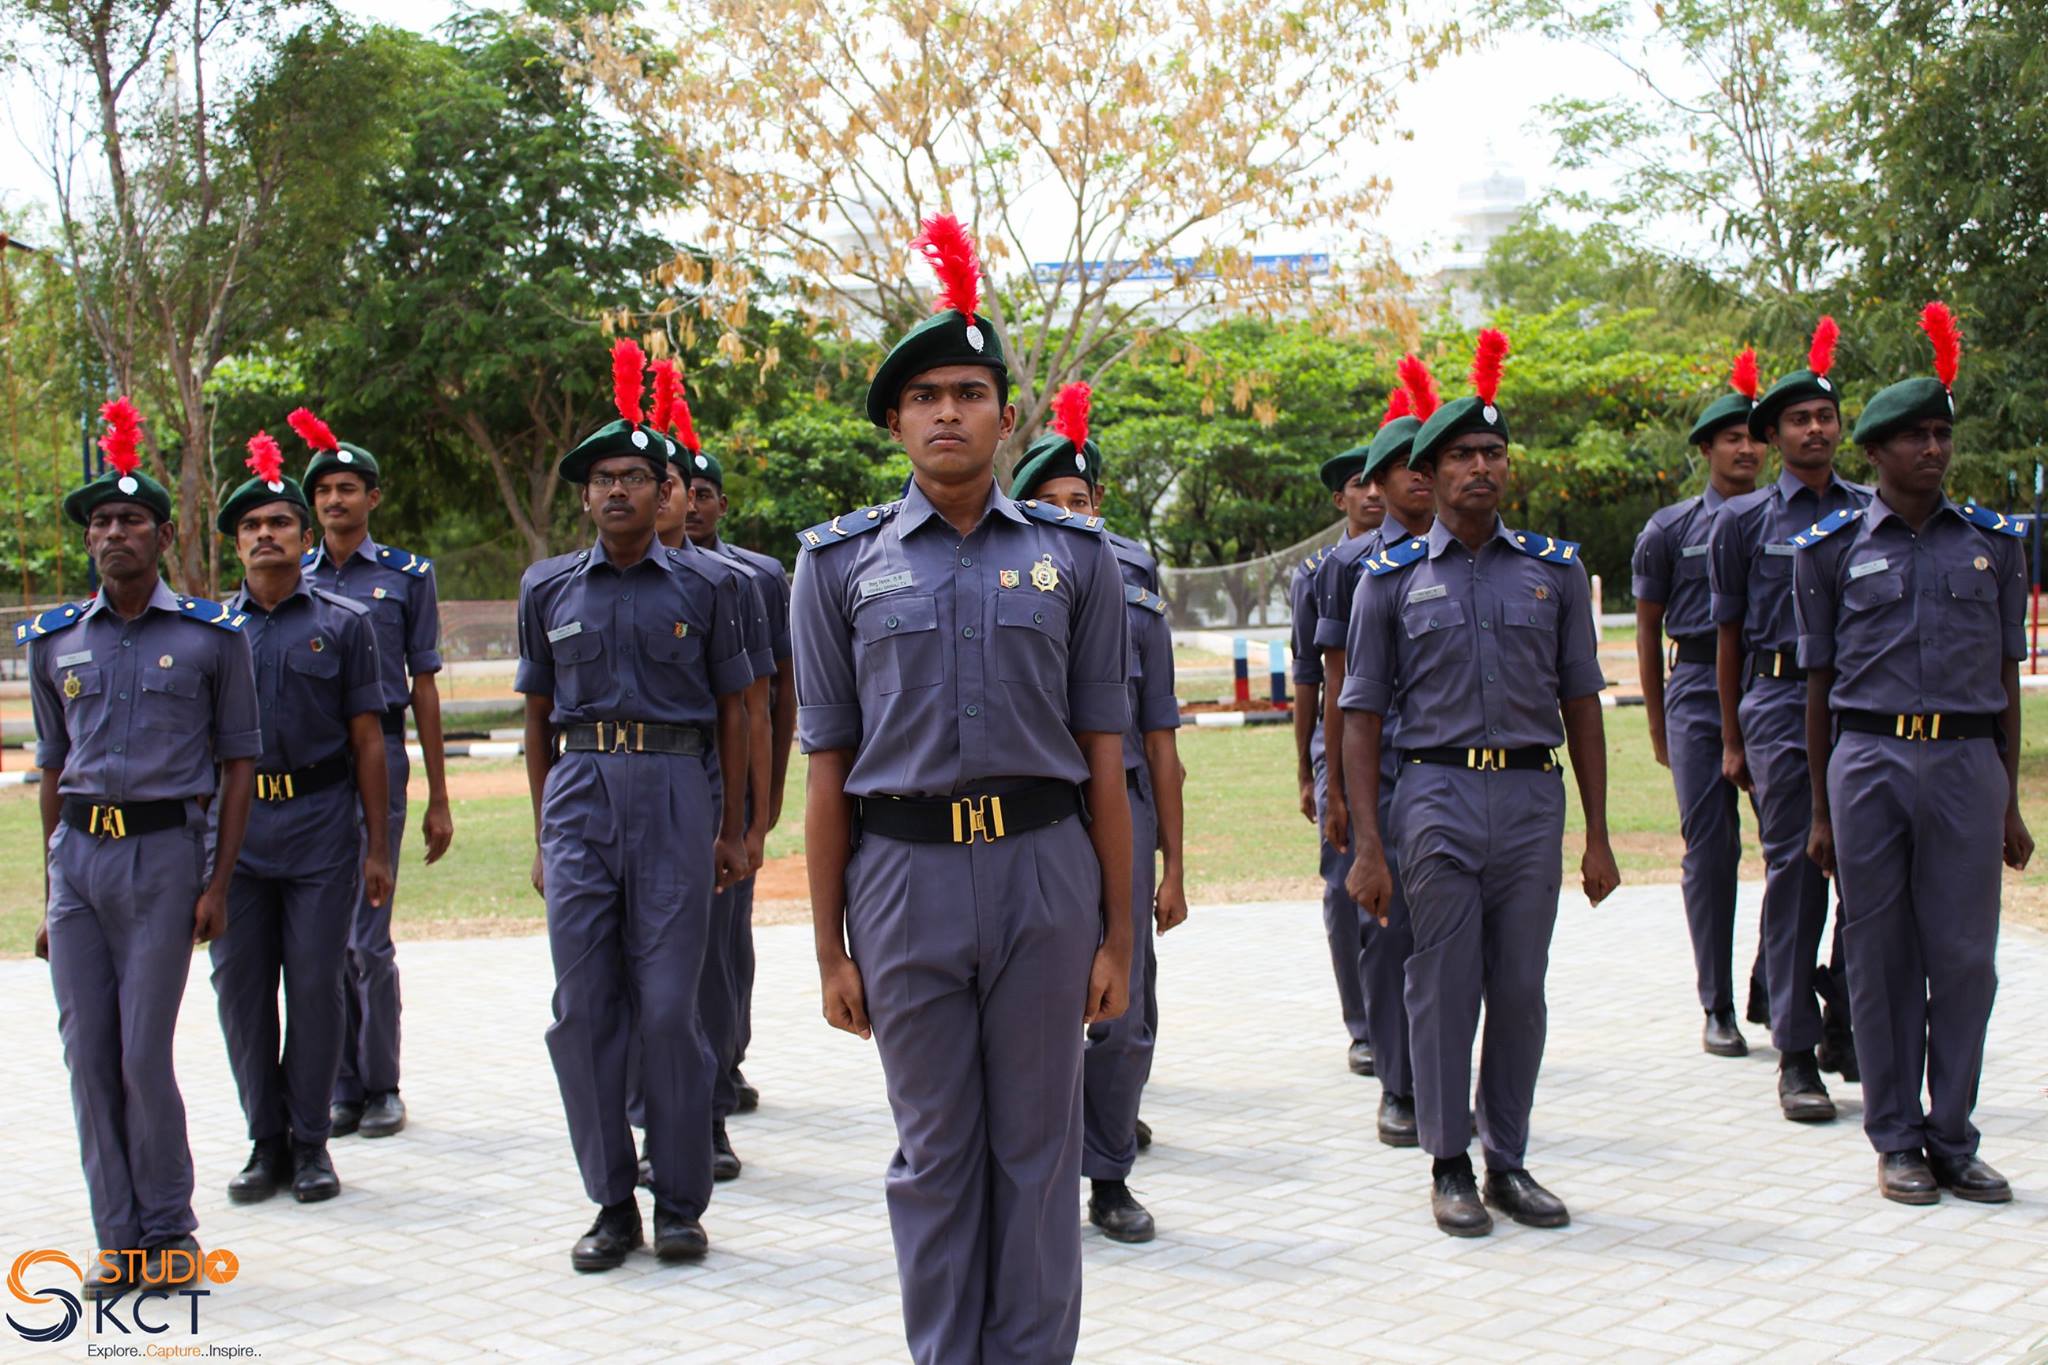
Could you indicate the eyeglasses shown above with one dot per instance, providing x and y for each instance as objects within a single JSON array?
[{"x": 632, "y": 482}]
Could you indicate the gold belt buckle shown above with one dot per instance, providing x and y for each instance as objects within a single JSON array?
[
  {"x": 1918, "y": 727},
  {"x": 108, "y": 821},
  {"x": 983, "y": 815},
  {"x": 1487, "y": 760},
  {"x": 274, "y": 787}
]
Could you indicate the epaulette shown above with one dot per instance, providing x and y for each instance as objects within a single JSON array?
[
  {"x": 1060, "y": 516},
  {"x": 1825, "y": 527},
  {"x": 1994, "y": 521},
  {"x": 846, "y": 526},
  {"x": 1547, "y": 548},
  {"x": 1140, "y": 597},
  {"x": 212, "y": 613},
  {"x": 1397, "y": 556},
  {"x": 308, "y": 559},
  {"x": 405, "y": 561},
  {"x": 348, "y": 604},
  {"x": 50, "y": 622}
]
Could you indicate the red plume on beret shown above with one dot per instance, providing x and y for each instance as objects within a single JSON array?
[
  {"x": 312, "y": 430},
  {"x": 124, "y": 432},
  {"x": 1820, "y": 356},
  {"x": 1397, "y": 406},
  {"x": 1940, "y": 325},
  {"x": 1420, "y": 385},
  {"x": 686, "y": 430},
  {"x": 628, "y": 379},
  {"x": 668, "y": 391},
  {"x": 265, "y": 460},
  {"x": 945, "y": 243},
  {"x": 1070, "y": 413},
  {"x": 1486, "y": 363},
  {"x": 1744, "y": 378}
]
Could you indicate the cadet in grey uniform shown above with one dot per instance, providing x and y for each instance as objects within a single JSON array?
[
  {"x": 1669, "y": 569},
  {"x": 1063, "y": 469},
  {"x": 319, "y": 780},
  {"x": 345, "y": 485},
  {"x": 1912, "y": 623},
  {"x": 1763, "y": 701},
  {"x": 1482, "y": 638},
  {"x": 631, "y": 659},
  {"x": 139, "y": 694},
  {"x": 960, "y": 666}
]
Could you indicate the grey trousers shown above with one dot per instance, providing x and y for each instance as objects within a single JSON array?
[
  {"x": 1118, "y": 1059},
  {"x": 369, "y": 1056},
  {"x": 1343, "y": 922}
]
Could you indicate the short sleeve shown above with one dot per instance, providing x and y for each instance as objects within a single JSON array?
[
  {"x": 362, "y": 688},
  {"x": 735, "y": 623},
  {"x": 2014, "y": 590},
  {"x": 821, "y": 651},
  {"x": 1814, "y": 606},
  {"x": 535, "y": 675},
  {"x": 754, "y": 624},
  {"x": 1650, "y": 564},
  {"x": 1369, "y": 648},
  {"x": 1308, "y": 660},
  {"x": 53, "y": 736},
  {"x": 423, "y": 627},
  {"x": 1335, "y": 581},
  {"x": 1727, "y": 567},
  {"x": 1578, "y": 637},
  {"x": 237, "y": 721},
  {"x": 1098, "y": 645},
  {"x": 1158, "y": 707}
]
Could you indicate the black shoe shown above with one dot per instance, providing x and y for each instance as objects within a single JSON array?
[
  {"x": 725, "y": 1164},
  {"x": 1454, "y": 1199},
  {"x": 1516, "y": 1194},
  {"x": 1800, "y": 1092},
  {"x": 161, "y": 1271},
  {"x": 616, "y": 1232},
  {"x": 1121, "y": 1218},
  {"x": 746, "y": 1098},
  {"x": 1837, "y": 1050},
  {"x": 344, "y": 1117},
  {"x": 268, "y": 1171},
  {"x": 1759, "y": 1011},
  {"x": 1967, "y": 1177},
  {"x": 678, "y": 1237},
  {"x": 313, "y": 1177},
  {"x": 383, "y": 1115},
  {"x": 104, "y": 1283},
  {"x": 1721, "y": 1037},
  {"x": 1144, "y": 1135},
  {"x": 1359, "y": 1059},
  {"x": 1397, "y": 1121},
  {"x": 1904, "y": 1178},
  {"x": 646, "y": 1168}
]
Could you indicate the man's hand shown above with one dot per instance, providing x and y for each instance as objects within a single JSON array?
[
  {"x": 2019, "y": 844},
  {"x": 1170, "y": 906},
  {"x": 1820, "y": 842},
  {"x": 1308, "y": 799},
  {"x": 1660, "y": 747},
  {"x": 845, "y": 1001},
  {"x": 1369, "y": 883},
  {"x": 1337, "y": 822},
  {"x": 210, "y": 915},
  {"x": 1735, "y": 766},
  {"x": 439, "y": 829},
  {"x": 729, "y": 856},
  {"x": 540, "y": 881},
  {"x": 1109, "y": 986},
  {"x": 757, "y": 847},
  {"x": 376, "y": 880},
  {"x": 43, "y": 939},
  {"x": 1597, "y": 872}
]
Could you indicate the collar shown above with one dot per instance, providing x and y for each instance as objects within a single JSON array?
[
  {"x": 1789, "y": 485},
  {"x": 367, "y": 550},
  {"x": 1441, "y": 539},
  {"x": 1879, "y": 511},
  {"x": 161, "y": 598},
  {"x": 1710, "y": 497},
  {"x": 241, "y": 601},
  {"x": 918, "y": 509},
  {"x": 657, "y": 554}
]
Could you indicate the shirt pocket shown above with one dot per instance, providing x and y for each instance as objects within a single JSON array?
[
  {"x": 1436, "y": 635},
  {"x": 580, "y": 669},
  {"x": 897, "y": 641},
  {"x": 1970, "y": 597},
  {"x": 667, "y": 647},
  {"x": 84, "y": 692},
  {"x": 321, "y": 663},
  {"x": 1528, "y": 636},
  {"x": 1873, "y": 592},
  {"x": 1031, "y": 640},
  {"x": 172, "y": 699}
]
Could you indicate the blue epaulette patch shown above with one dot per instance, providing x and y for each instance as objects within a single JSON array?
[
  {"x": 49, "y": 622},
  {"x": 405, "y": 561},
  {"x": 1825, "y": 527},
  {"x": 1396, "y": 556},
  {"x": 1550, "y": 549},
  {"x": 1060, "y": 516},
  {"x": 307, "y": 560},
  {"x": 845, "y": 526},
  {"x": 1994, "y": 521},
  {"x": 212, "y": 613},
  {"x": 1141, "y": 597}
]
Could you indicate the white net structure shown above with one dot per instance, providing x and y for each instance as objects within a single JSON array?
[{"x": 1240, "y": 596}]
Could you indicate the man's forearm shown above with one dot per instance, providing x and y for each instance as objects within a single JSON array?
[
  {"x": 1728, "y": 680},
  {"x": 1585, "y": 736},
  {"x": 426, "y": 718},
  {"x": 732, "y": 762},
  {"x": 1361, "y": 769},
  {"x": 760, "y": 738},
  {"x": 784, "y": 734},
  {"x": 1650, "y": 661},
  {"x": 1162, "y": 761},
  {"x": 1308, "y": 706},
  {"x": 373, "y": 783},
  {"x": 540, "y": 752},
  {"x": 828, "y": 843},
  {"x": 1820, "y": 738},
  {"x": 1109, "y": 829},
  {"x": 237, "y": 785},
  {"x": 1333, "y": 718},
  {"x": 2010, "y": 675}
]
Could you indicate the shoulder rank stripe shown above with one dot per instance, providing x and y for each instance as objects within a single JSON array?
[
  {"x": 1060, "y": 516},
  {"x": 405, "y": 561},
  {"x": 1400, "y": 556},
  {"x": 845, "y": 526},
  {"x": 1140, "y": 597},
  {"x": 1825, "y": 527},
  {"x": 1550, "y": 549},
  {"x": 49, "y": 622},
  {"x": 212, "y": 613},
  {"x": 1994, "y": 521}
]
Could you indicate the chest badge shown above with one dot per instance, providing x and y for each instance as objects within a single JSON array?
[
  {"x": 72, "y": 686},
  {"x": 318, "y": 644},
  {"x": 1542, "y": 593},
  {"x": 1044, "y": 576},
  {"x": 1009, "y": 578},
  {"x": 1980, "y": 563},
  {"x": 682, "y": 629},
  {"x": 164, "y": 661},
  {"x": 380, "y": 593}
]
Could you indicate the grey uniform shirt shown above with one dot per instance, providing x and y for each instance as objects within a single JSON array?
[
  {"x": 316, "y": 666},
  {"x": 1153, "y": 703},
  {"x": 1749, "y": 559},
  {"x": 1338, "y": 584},
  {"x": 142, "y": 710},
  {"x": 1669, "y": 565},
  {"x": 1913, "y": 623},
  {"x": 945, "y": 662},
  {"x": 773, "y": 581},
  {"x": 405, "y": 608}
]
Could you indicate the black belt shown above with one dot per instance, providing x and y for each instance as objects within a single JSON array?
[
  {"x": 1695, "y": 649},
  {"x": 119, "y": 819},
  {"x": 1933, "y": 725},
  {"x": 633, "y": 737},
  {"x": 1771, "y": 663},
  {"x": 962, "y": 819},
  {"x": 393, "y": 721},
  {"x": 1535, "y": 758},
  {"x": 1131, "y": 778},
  {"x": 330, "y": 771}
]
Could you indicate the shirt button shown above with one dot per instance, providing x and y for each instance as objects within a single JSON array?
[
  {"x": 1489, "y": 677},
  {"x": 126, "y": 643},
  {"x": 973, "y": 711},
  {"x": 1486, "y": 625},
  {"x": 1493, "y": 729},
  {"x": 1038, "y": 618},
  {"x": 966, "y": 561},
  {"x": 967, "y": 631},
  {"x": 124, "y": 696},
  {"x": 629, "y": 691},
  {"x": 891, "y": 623},
  {"x": 625, "y": 597},
  {"x": 117, "y": 748}
]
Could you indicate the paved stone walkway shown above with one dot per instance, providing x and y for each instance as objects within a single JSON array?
[{"x": 1704, "y": 1227}]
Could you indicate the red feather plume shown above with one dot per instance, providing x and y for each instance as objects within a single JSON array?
[
  {"x": 1070, "y": 413},
  {"x": 1744, "y": 378},
  {"x": 1420, "y": 385},
  {"x": 265, "y": 460},
  {"x": 668, "y": 391},
  {"x": 1397, "y": 406},
  {"x": 1820, "y": 356},
  {"x": 312, "y": 430},
  {"x": 628, "y": 379},
  {"x": 1940, "y": 325},
  {"x": 1486, "y": 363},
  {"x": 686, "y": 430},
  {"x": 124, "y": 434},
  {"x": 946, "y": 244}
]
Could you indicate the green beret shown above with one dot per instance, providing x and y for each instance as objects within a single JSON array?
[
  {"x": 697, "y": 464},
  {"x": 255, "y": 493},
  {"x": 1339, "y": 468},
  {"x": 1901, "y": 405},
  {"x": 945, "y": 338},
  {"x": 1459, "y": 417},
  {"x": 348, "y": 458},
  {"x": 114, "y": 487},
  {"x": 1392, "y": 442},
  {"x": 1053, "y": 456},
  {"x": 616, "y": 437},
  {"x": 1800, "y": 386},
  {"x": 1726, "y": 411}
]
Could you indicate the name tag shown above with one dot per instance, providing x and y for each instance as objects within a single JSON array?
[
  {"x": 83, "y": 656},
  {"x": 1776, "y": 549},
  {"x": 873, "y": 587},
  {"x": 1430, "y": 593},
  {"x": 1692, "y": 552},
  {"x": 564, "y": 632},
  {"x": 1867, "y": 568}
]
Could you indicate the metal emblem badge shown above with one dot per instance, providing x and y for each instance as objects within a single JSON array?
[
  {"x": 318, "y": 644},
  {"x": 682, "y": 629},
  {"x": 72, "y": 686},
  {"x": 1542, "y": 593},
  {"x": 1044, "y": 576},
  {"x": 1009, "y": 578},
  {"x": 1980, "y": 563},
  {"x": 164, "y": 661},
  {"x": 380, "y": 593}
]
